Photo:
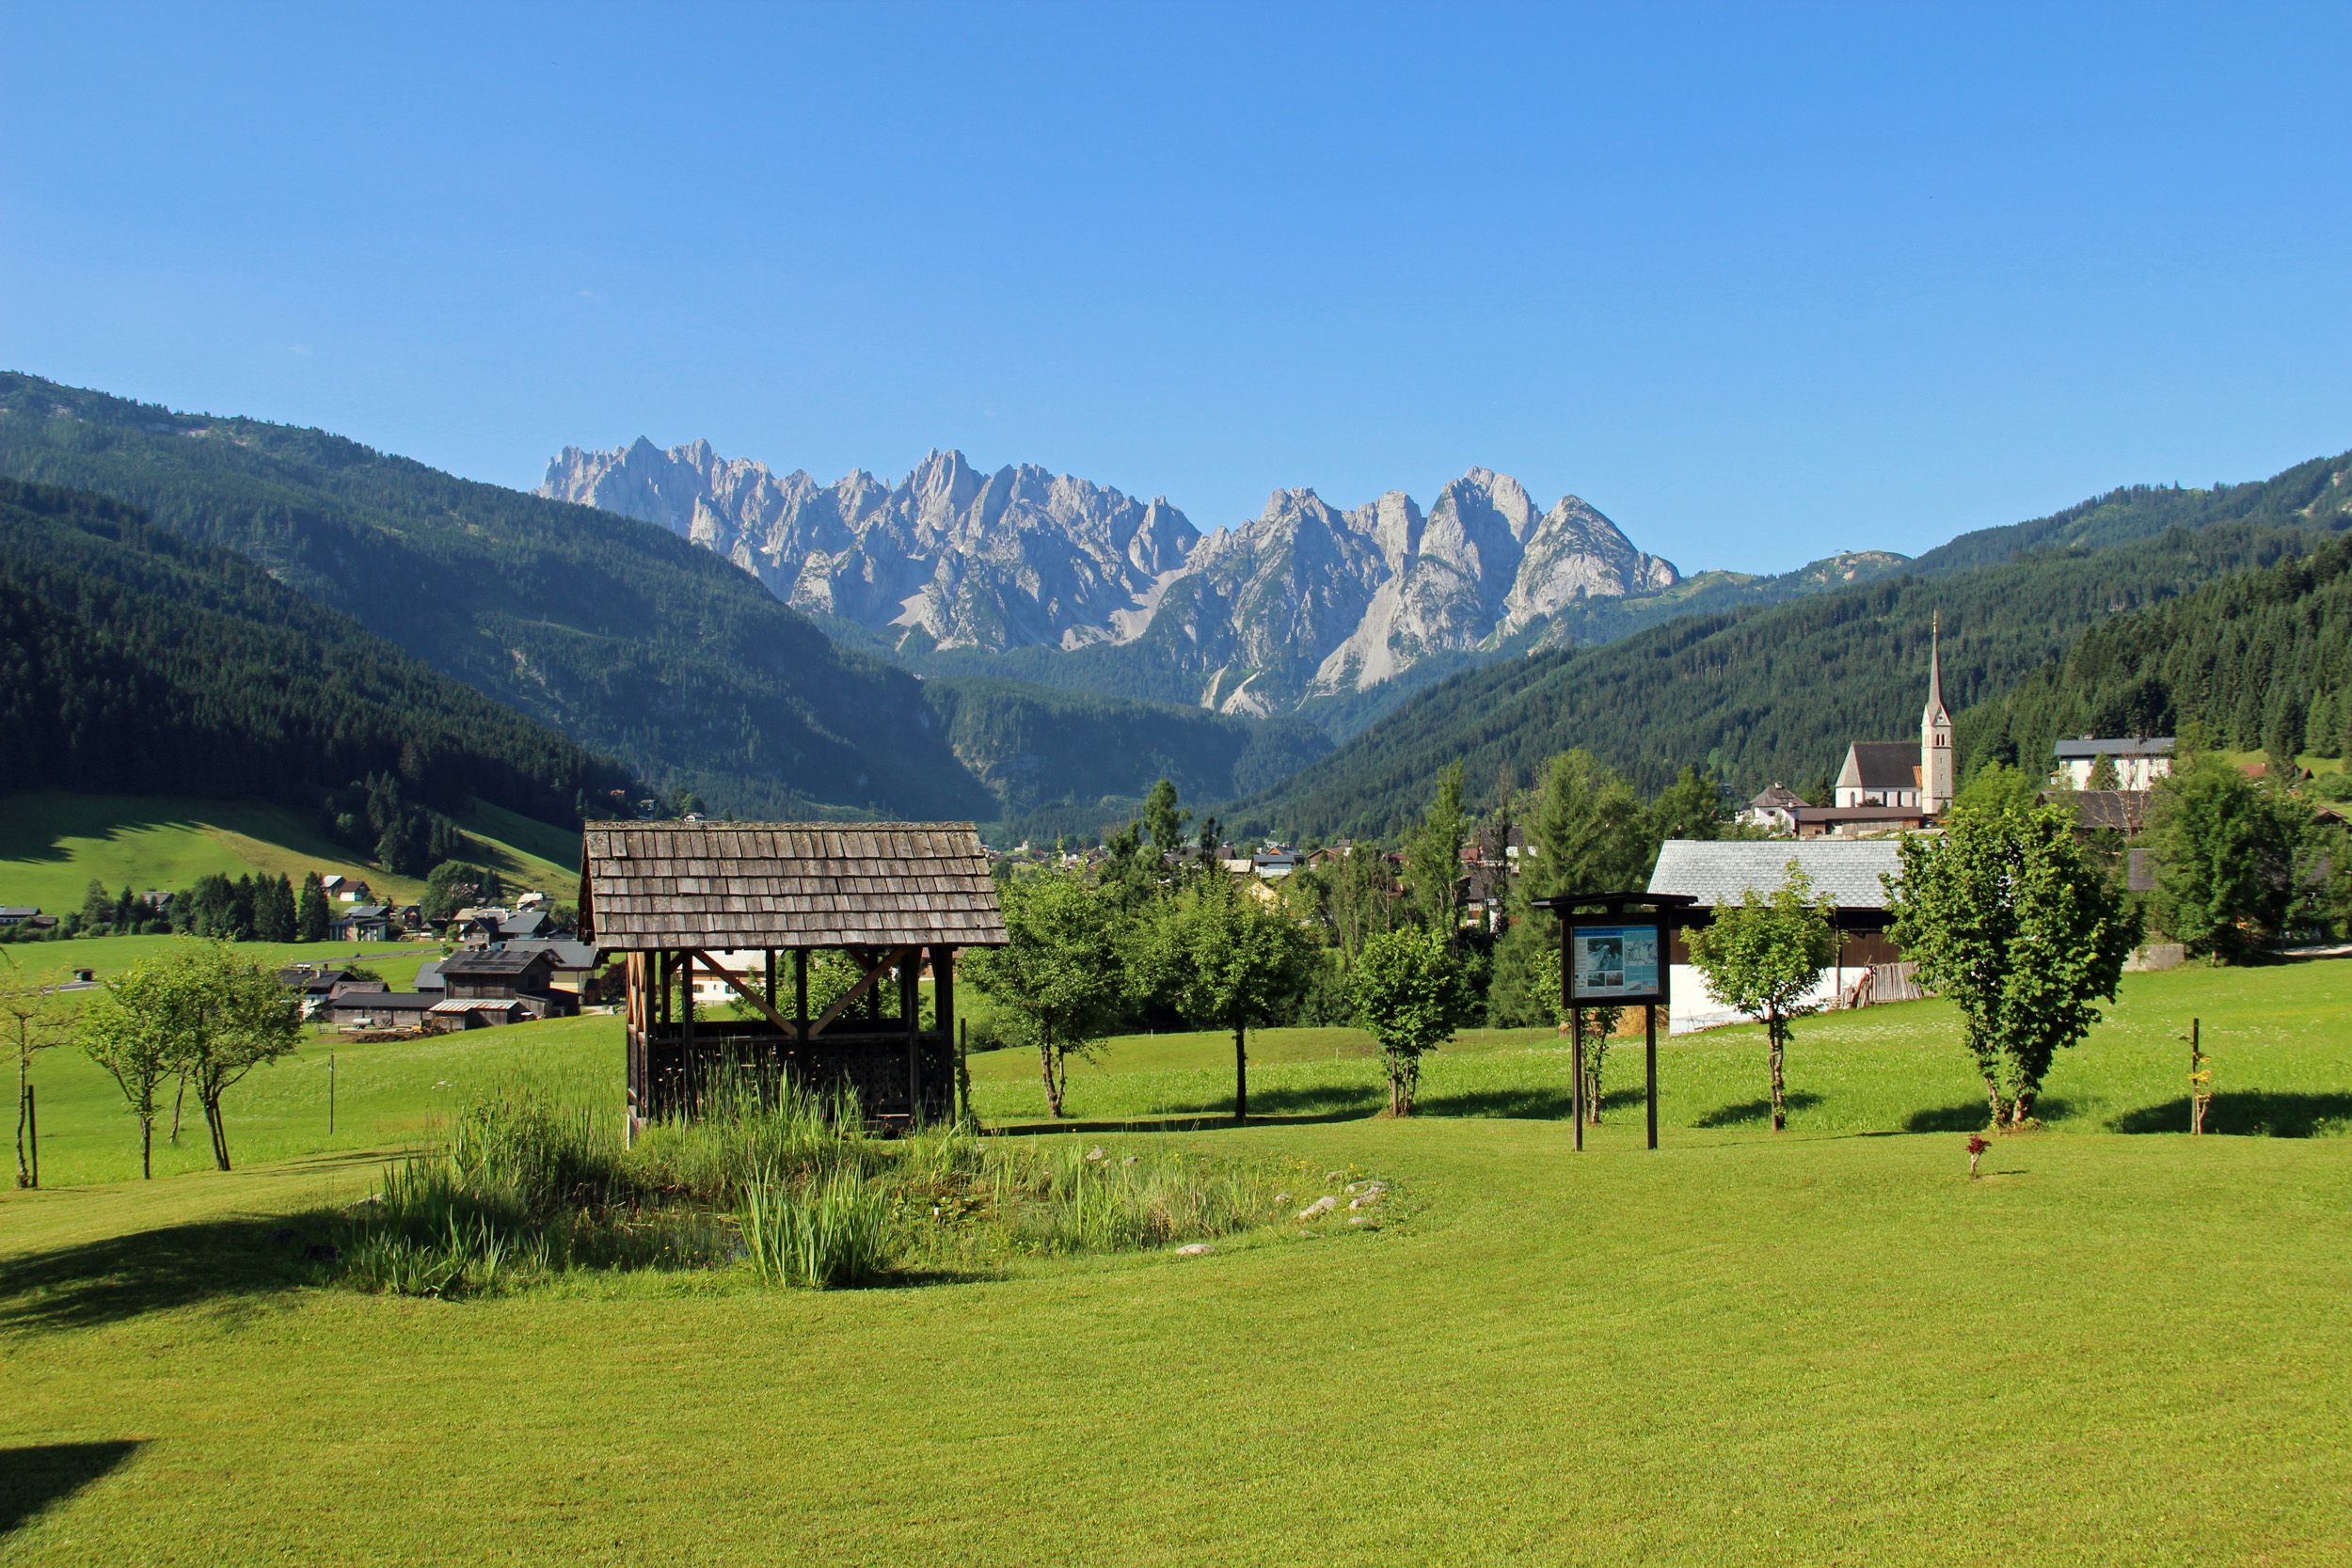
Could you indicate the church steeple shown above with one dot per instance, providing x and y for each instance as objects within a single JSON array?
[{"x": 1936, "y": 730}]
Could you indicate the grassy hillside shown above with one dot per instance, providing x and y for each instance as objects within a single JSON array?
[
  {"x": 53, "y": 843},
  {"x": 1816, "y": 1348},
  {"x": 134, "y": 661}
]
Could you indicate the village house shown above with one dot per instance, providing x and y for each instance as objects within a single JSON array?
[
  {"x": 2140, "y": 761},
  {"x": 373, "y": 1004},
  {"x": 17, "y": 914},
  {"x": 498, "y": 986},
  {"x": 1773, "y": 811},
  {"x": 1849, "y": 873},
  {"x": 361, "y": 923},
  {"x": 1857, "y": 821}
]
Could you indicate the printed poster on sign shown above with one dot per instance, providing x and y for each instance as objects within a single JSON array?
[{"x": 1613, "y": 963}]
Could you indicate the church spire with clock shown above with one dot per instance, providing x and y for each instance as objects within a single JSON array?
[{"x": 1936, "y": 731}]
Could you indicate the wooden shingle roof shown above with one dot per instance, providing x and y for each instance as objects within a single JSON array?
[{"x": 646, "y": 885}]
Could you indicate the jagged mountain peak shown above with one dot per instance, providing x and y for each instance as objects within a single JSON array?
[{"x": 1304, "y": 599}]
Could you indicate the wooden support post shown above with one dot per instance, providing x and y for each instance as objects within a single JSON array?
[
  {"x": 943, "y": 1017},
  {"x": 1576, "y": 1066},
  {"x": 684, "y": 969},
  {"x": 910, "y": 1015},
  {"x": 772, "y": 976},
  {"x": 799, "y": 991},
  {"x": 1649, "y": 1066}
]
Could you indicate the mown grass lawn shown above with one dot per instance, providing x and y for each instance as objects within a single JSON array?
[{"x": 1826, "y": 1347}]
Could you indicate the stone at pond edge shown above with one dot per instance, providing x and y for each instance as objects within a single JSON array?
[
  {"x": 1320, "y": 1205},
  {"x": 1198, "y": 1249}
]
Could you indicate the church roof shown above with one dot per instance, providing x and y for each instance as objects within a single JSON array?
[{"x": 1881, "y": 765}]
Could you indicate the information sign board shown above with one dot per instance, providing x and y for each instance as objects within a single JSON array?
[{"x": 1616, "y": 963}]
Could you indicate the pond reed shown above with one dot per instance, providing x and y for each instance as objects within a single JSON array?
[{"x": 793, "y": 1190}]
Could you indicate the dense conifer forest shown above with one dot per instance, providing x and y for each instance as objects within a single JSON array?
[
  {"x": 2258, "y": 661},
  {"x": 1775, "y": 694},
  {"x": 134, "y": 661}
]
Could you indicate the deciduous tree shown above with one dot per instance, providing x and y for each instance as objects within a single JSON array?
[
  {"x": 2228, "y": 859},
  {"x": 2005, "y": 917},
  {"x": 1058, "y": 983},
  {"x": 235, "y": 1018},
  {"x": 1219, "y": 956},
  {"x": 129, "y": 1028},
  {"x": 35, "y": 1013},
  {"x": 1411, "y": 997},
  {"x": 1761, "y": 956}
]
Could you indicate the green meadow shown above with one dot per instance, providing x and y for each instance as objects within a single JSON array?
[
  {"x": 53, "y": 843},
  {"x": 2119, "y": 1345}
]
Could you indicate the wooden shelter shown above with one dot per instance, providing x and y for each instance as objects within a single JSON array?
[{"x": 898, "y": 898}]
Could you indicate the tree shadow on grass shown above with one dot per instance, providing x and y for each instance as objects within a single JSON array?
[
  {"x": 1527, "y": 1103},
  {"x": 2252, "y": 1112},
  {"x": 1749, "y": 1111},
  {"x": 38, "y": 1476},
  {"x": 119, "y": 1278},
  {"x": 1975, "y": 1116},
  {"x": 1215, "y": 1120}
]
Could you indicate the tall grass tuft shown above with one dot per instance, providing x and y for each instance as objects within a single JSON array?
[
  {"x": 834, "y": 1231},
  {"x": 744, "y": 1137}
]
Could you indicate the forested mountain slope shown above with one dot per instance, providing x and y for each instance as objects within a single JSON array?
[
  {"x": 2314, "y": 494},
  {"x": 1036, "y": 748},
  {"x": 630, "y": 640},
  {"x": 134, "y": 661},
  {"x": 1757, "y": 696},
  {"x": 2260, "y": 660},
  {"x": 623, "y": 635}
]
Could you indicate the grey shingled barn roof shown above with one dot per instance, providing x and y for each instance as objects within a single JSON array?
[
  {"x": 646, "y": 885},
  {"x": 1718, "y": 872}
]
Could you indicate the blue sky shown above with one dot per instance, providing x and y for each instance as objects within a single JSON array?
[{"x": 1760, "y": 282}]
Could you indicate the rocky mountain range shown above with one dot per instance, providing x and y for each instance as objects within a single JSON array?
[{"x": 1307, "y": 602}]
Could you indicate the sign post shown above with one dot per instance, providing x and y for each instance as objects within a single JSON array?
[{"x": 1614, "y": 958}]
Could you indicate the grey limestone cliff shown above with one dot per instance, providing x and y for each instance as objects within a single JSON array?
[{"x": 1304, "y": 601}]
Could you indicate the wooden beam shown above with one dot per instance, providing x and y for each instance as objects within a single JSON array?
[
  {"x": 873, "y": 973},
  {"x": 746, "y": 992}
]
